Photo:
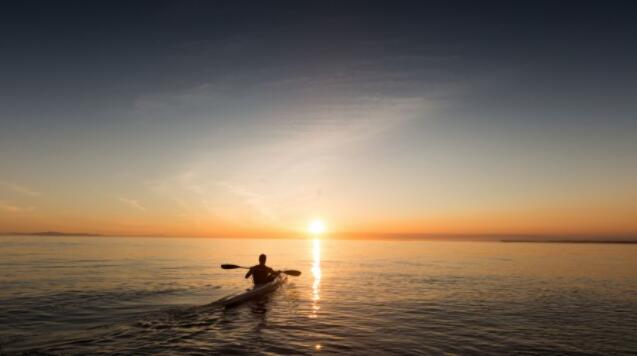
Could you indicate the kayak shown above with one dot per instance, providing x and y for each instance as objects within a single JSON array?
[{"x": 257, "y": 291}]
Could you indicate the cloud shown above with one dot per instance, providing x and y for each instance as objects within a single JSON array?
[
  {"x": 19, "y": 189},
  {"x": 15, "y": 209},
  {"x": 271, "y": 169},
  {"x": 134, "y": 204},
  {"x": 258, "y": 157},
  {"x": 249, "y": 198}
]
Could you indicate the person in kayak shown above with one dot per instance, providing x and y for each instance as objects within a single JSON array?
[{"x": 261, "y": 273}]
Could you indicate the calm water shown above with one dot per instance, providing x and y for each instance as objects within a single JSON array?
[{"x": 84, "y": 295}]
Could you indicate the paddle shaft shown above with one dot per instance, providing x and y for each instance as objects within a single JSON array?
[{"x": 288, "y": 272}]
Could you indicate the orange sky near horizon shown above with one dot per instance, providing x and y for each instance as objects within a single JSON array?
[
  {"x": 586, "y": 220},
  {"x": 274, "y": 190}
]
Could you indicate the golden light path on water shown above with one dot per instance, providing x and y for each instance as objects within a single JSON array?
[
  {"x": 316, "y": 285},
  {"x": 316, "y": 273}
]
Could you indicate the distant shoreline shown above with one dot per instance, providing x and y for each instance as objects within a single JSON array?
[
  {"x": 51, "y": 233},
  {"x": 574, "y": 241}
]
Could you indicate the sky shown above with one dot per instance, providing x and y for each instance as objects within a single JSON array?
[{"x": 242, "y": 118}]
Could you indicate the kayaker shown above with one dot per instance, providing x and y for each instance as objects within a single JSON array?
[{"x": 261, "y": 273}]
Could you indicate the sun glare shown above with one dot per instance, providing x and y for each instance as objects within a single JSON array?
[{"x": 316, "y": 227}]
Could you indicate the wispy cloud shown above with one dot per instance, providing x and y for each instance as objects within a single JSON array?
[
  {"x": 271, "y": 172},
  {"x": 258, "y": 159},
  {"x": 134, "y": 204},
  {"x": 249, "y": 198},
  {"x": 15, "y": 209},
  {"x": 19, "y": 189}
]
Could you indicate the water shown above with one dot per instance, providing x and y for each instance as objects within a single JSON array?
[{"x": 91, "y": 295}]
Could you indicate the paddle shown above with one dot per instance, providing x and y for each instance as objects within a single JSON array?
[{"x": 289, "y": 272}]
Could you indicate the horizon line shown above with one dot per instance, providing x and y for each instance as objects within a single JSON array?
[{"x": 505, "y": 237}]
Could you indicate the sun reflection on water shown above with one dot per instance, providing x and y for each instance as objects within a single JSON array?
[{"x": 316, "y": 272}]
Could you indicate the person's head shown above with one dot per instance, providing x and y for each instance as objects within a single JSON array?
[{"x": 262, "y": 259}]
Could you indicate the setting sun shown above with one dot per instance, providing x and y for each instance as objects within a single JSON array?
[{"x": 316, "y": 227}]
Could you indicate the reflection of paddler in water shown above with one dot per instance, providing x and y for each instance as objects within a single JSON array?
[{"x": 261, "y": 273}]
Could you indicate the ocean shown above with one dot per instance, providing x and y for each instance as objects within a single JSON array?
[{"x": 105, "y": 295}]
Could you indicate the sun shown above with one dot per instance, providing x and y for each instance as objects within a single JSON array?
[{"x": 316, "y": 227}]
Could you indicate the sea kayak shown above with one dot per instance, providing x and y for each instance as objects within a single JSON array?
[{"x": 257, "y": 291}]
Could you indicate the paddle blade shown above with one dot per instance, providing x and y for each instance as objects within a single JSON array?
[
  {"x": 292, "y": 272},
  {"x": 229, "y": 266}
]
